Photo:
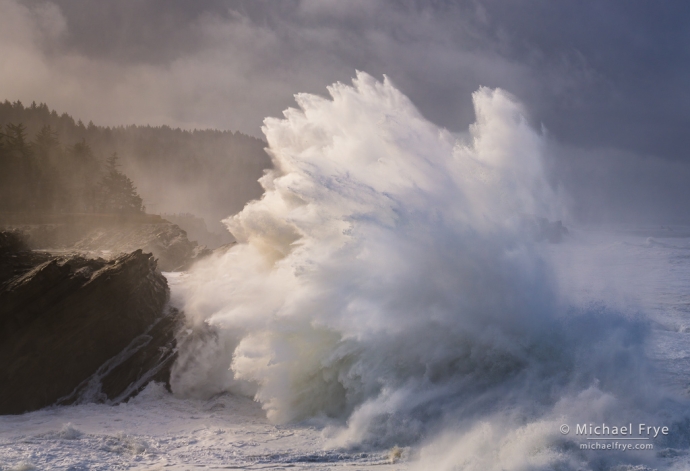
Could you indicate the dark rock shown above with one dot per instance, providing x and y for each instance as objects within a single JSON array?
[
  {"x": 74, "y": 329},
  {"x": 148, "y": 357}
]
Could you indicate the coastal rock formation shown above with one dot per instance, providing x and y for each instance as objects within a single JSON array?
[
  {"x": 107, "y": 236},
  {"x": 74, "y": 329}
]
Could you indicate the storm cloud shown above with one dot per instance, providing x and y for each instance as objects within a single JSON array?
[{"x": 607, "y": 81}]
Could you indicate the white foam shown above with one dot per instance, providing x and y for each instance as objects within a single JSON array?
[{"x": 387, "y": 284}]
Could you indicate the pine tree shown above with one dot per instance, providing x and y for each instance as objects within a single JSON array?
[
  {"x": 23, "y": 187},
  {"x": 6, "y": 174},
  {"x": 81, "y": 169},
  {"x": 16, "y": 139},
  {"x": 119, "y": 195},
  {"x": 46, "y": 140},
  {"x": 46, "y": 148}
]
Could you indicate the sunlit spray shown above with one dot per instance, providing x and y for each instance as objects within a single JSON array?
[{"x": 387, "y": 284}]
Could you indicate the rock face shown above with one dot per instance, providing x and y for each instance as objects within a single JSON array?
[
  {"x": 74, "y": 329},
  {"x": 108, "y": 236}
]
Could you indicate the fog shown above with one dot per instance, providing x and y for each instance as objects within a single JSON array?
[{"x": 607, "y": 82}]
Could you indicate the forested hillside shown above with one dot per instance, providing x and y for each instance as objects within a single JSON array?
[
  {"x": 43, "y": 175},
  {"x": 209, "y": 173}
]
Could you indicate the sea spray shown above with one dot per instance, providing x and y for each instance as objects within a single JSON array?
[{"x": 387, "y": 283}]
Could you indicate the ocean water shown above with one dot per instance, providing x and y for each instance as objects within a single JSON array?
[{"x": 389, "y": 305}]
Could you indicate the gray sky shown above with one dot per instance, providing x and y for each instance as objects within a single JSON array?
[{"x": 609, "y": 80}]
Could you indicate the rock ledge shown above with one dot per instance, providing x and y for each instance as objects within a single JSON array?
[{"x": 75, "y": 330}]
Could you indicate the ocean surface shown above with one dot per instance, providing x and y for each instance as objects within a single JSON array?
[
  {"x": 646, "y": 277},
  {"x": 392, "y": 303}
]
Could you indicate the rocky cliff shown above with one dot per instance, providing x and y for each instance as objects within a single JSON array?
[{"x": 75, "y": 329}]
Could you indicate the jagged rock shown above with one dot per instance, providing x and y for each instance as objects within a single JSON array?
[
  {"x": 77, "y": 329},
  {"x": 108, "y": 236},
  {"x": 148, "y": 357},
  {"x": 166, "y": 241}
]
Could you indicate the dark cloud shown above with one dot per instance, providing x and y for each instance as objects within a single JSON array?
[
  {"x": 134, "y": 31},
  {"x": 599, "y": 75},
  {"x": 630, "y": 69}
]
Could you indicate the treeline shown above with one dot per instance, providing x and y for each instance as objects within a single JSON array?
[
  {"x": 206, "y": 172},
  {"x": 44, "y": 175}
]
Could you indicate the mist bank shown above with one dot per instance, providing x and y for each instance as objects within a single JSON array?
[
  {"x": 209, "y": 173},
  {"x": 107, "y": 236},
  {"x": 609, "y": 186}
]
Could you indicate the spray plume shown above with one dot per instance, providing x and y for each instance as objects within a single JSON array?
[{"x": 386, "y": 283}]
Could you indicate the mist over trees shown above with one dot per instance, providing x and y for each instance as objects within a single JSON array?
[
  {"x": 117, "y": 191},
  {"x": 43, "y": 175},
  {"x": 50, "y": 162}
]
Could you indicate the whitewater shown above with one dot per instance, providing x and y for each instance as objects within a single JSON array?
[{"x": 391, "y": 304}]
